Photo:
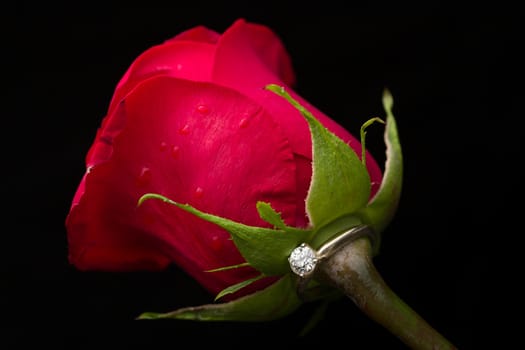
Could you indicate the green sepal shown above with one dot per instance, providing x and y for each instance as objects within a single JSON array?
[
  {"x": 268, "y": 214},
  {"x": 362, "y": 133},
  {"x": 265, "y": 249},
  {"x": 238, "y": 286},
  {"x": 340, "y": 183},
  {"x": 333, "y": 229},
  {"x": 383, "y": 205},
  {"x": 318, "y": 315},
  {"x": 229, "y": 267},
  {"x": 276, "y": 301}
]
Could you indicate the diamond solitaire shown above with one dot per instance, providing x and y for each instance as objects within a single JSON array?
[{"x": 303, "y": 260}]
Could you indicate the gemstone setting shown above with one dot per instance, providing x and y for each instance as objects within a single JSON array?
[{"x": 303, "y": 260}]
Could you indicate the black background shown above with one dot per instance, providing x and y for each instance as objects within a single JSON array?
[{"x": 453, "y": 78}]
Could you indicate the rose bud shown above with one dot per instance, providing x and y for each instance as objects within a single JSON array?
[
  {"x": 191, "y": 119},
  {"x": 261, "y": 198}
]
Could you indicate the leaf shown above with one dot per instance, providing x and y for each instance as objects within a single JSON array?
[
  {"x": 340, "y": 183},
  {"x": 383, "y": 206},
  {"x": 273, "y": 302},
  {"x": 265, "y": 249}
]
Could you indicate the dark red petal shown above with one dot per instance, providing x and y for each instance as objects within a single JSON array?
[
  {"x": 185, "y": 59},
  {"x": 240, "y": 50},
  {"x": 198, "y": 33},
  {"x": 267, "y": 47},
  {"x": 303, "y": 179},
  {"x": 195, "y": 143}
]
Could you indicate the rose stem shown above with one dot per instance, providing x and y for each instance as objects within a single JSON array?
[{"x": 351, "y": 270}]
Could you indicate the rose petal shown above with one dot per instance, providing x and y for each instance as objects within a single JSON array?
[
  {"x": 240, "y": 50},
  {"x": 178, "y": 58},
  {"x": 210, "y": 147},
  {"x": 188, "y": 55},
  {"x": 198, "y": 33},
  {"x": 266, "y": 47}
]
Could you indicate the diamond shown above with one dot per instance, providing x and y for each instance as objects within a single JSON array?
[{"x": 302, "y": 260}]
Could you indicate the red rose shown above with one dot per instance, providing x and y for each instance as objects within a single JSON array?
[{"x": 191, "y": 120}]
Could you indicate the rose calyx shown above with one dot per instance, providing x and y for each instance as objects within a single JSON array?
[{"x": 338, "y": 199}]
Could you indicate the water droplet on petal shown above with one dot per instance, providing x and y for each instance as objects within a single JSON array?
[
  {"x": 243, "y": 123},
  {"x": 198, "y": 192},
  {"x": 185, "y": 130},
  {"x": 175, "y": 151},
  {"x": 144, "y": 177},
  {"x": 163, "y": 146},
  {"x": 163, "y": 69},
  {"x": 216, "y": 243},
  {"x": 203, "y": 109}
]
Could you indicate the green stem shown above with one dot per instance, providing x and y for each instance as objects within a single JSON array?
[{"x": 352, "y": 271}]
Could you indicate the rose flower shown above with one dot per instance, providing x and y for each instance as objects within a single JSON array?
[{"x": 191, "y": 119}]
